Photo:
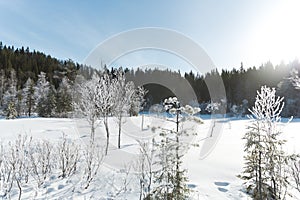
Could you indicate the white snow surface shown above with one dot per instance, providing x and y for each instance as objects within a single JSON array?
[{"x": 213, "y": 177}]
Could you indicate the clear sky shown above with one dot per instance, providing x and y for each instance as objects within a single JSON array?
[{"x": 230, "y": 31}]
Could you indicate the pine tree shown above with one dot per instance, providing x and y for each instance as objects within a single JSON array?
[{"x": 171, "y": 179}]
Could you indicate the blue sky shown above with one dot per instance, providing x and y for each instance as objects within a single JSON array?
[{"x": 231, "y": 31}]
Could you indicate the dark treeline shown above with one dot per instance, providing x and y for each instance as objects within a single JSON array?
[{"x": 240, "y": 83}]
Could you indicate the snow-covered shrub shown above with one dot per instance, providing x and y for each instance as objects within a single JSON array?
[
  {"x": 93, "y": 157},
  {"x": 41, "y": 161},
  {"x": 68, "y": 157}
]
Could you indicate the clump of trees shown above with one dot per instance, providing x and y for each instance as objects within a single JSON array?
[
  {"x": 106, "y": 95},
  {"x": 40, "y": 98}
]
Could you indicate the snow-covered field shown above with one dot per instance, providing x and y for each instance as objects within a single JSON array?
[{"x": 212, "y": 177}]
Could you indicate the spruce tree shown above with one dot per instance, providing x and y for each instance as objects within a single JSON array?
[{"x": 266, "y": 164}]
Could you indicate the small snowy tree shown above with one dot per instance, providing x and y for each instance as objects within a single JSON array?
[
  {"x": 137, "y": 101},
  {"x": 123, "y": 94},
  {"x": 295, "y": 78},
  {"x": 171, "y": 179},
  {"x": 85, "y": 101},
  {"x": 2, "y": 87},
  {"x": 265, "y": 171},
  {"x": 28, "y": 102},
  {"x": 44, "y": 97},
  {"x": 11, "y": 112},
  {"x": 106, "y": 101},
  {"x": 10, "y": 97},
  {"x": 64, "y": 98}
]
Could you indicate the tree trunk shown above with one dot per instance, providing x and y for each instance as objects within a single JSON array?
[
  {"x": 120, "y": 129},
  {"x": 107, "y": 134},
  {"x": 93, "y": 130},
  {"x": 259, "y": 177}
]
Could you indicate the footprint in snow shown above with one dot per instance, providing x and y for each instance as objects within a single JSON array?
[
  {"x": 224, "y": 184},
  {"x": 222, "y": 189},
  {"x": 60, "y": 187}
]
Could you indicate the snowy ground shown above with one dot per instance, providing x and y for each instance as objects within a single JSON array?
[{"x": 212, "y": 177}]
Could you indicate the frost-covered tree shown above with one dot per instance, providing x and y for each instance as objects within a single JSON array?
[
  {"x": 2, "y": 87},
  {"x": 41, "y": 92},
  {"x": 28, "y": 103},
  {"x": 47, "y": 106},
  {"x": 137, "y": 101},
  {"x": 106, "y": 101},
  {"x": 265, "y": 171},
  {"x": 288, "y": 88},
  {"x": 295, "y": 78},
  {"x": 123, "y": 93},
  {"x": 11, "y": 112},
  {"x": 171, "y": 179},
  {"x": 85, "y": 101},
  {"x": 64, "y": 98},
  {"x": 10, "y": 97}
]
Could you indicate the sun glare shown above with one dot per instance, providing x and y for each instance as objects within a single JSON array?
[{"x": 277, "y": 37}]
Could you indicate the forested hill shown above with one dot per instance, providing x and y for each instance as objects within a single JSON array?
[
  {"x": 240, "y": 83},
  {"x": 29, "y": 64}
]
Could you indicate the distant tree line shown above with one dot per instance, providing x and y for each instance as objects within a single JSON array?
[{"x": 240, "y": 84}]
